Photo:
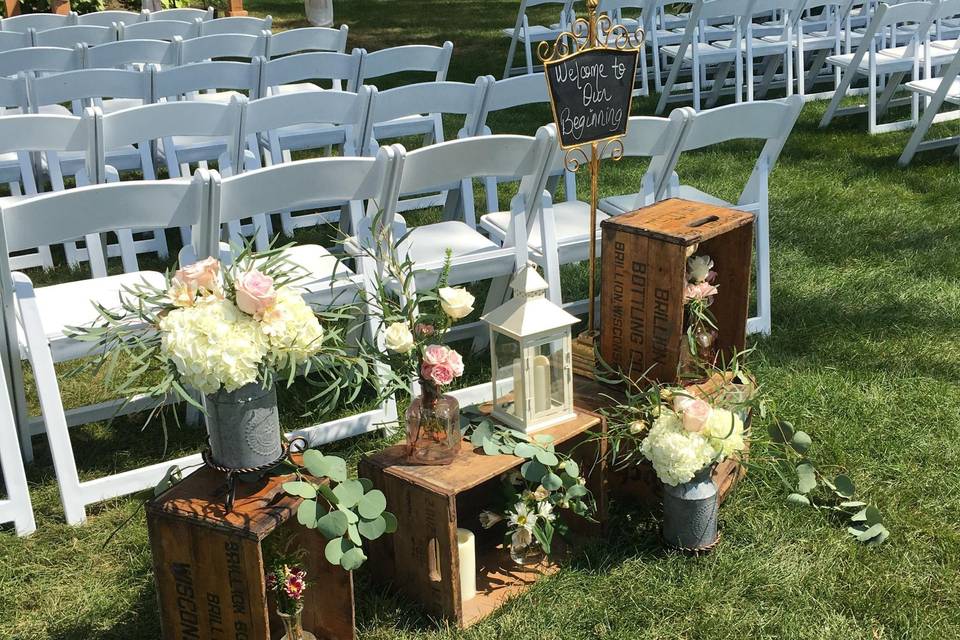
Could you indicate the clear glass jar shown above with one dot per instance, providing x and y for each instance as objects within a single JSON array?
[
  {"x": 293, "y": 626},
  {"x": 527, "y": 556},
  {"x": 433, "y": 427}
]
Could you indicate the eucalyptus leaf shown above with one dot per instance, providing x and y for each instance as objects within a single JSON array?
[
  {"x": 312, "y": 460},
  {"x": 551, "y": 481},
  {"x": 353, "y": 559},
  {"x": 543, "y": 438},
  {"x": 577, "y": 491},
  {"x": 880, "y": 537},
  {"x": 353, "y": 533},
  {"x": 332, "y": 467},
  {"x": 352, "y": 518},
  {"x": 873, "y": 516},
  {"x": 572, "y": 468},
  {"x": 349, "y": 493},
  {"x": 844, "y": 486},
  {"x": 335, "y": 549},
  {"x": 800, "y": 442},
  {"x": 490, "y": 447},
  {"x": 871, "y": 532},
  {"x": 525, "y": 450},
  {"x": 780, "y": 431},
  {"x": 327, "y": 492},
  {"x": 301, "y": 489},
  {"x": 806, "y": 478},
  {"x": 372, "y": 504},
  {"x": 798, "y": 499},
  {"x": 307, "y": 513},
  {"x": 372, "y": 529},
  {"x": 533, "y": 471},
  {"x": 391, "y": 521},
  {"x": 481, "y": 433},
  {"x": 547, "y": 458},
  {"x": 367, "y": 483},
  {"x": 333, "y": 525}
]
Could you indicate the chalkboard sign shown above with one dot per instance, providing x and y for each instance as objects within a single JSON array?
[{"x": 590, "y": 93}]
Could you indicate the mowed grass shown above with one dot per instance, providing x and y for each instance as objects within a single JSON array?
[{"x": 864, "y": 356}]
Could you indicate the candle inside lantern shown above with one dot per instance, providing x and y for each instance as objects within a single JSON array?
[
  {"x": 466, "y": 550},
  {"x": 518, "y": 387},
  {"x": 541, "y": 383}
]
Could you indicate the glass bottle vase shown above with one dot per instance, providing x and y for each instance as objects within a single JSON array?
[
  {"x": 433, "y": 427},
  {"x": 293, "y": 626},
  {"x": 527, "y": 556}
]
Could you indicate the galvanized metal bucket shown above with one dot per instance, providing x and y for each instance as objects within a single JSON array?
[
  {"x": 244, "y": 427},
  {"x": 690, "y": 513}
]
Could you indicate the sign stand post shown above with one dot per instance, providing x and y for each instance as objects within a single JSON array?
[{"x": 590, "y": 74}]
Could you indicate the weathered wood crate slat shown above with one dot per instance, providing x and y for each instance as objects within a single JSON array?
[
  {"x": 643, "y": 265},
  {"x": 430, "y": 502},
  {"x": 209, "y": 564}
]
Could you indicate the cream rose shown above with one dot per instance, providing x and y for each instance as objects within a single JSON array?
[
  {"x": 456, "y": 302},
  {"x": 204, "y": 275},
  {"x": 255, "y": 293},
  {"x": 695, "y": 412},
  {"x": 399, "y": 338}
]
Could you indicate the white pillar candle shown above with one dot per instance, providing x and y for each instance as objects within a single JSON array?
[
  {"x": 541, "y": 383},
  {"x": 466, "y": 549},
  {"x": 518, "y": 388}
]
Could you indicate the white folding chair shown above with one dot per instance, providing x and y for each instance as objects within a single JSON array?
[
  {"x": 772, "y": 43},
  {"x": 233, "y": 25},
  {"x": 10, "y": 40},
  {"x": 224, "y": 45},
  {"x": 216, "y": 125},
  {"x": 108, "y": 18},
  {"x": 37, "y": 21},
  {"x": 40, "y": 60},
  {"x": 472, "y": 256},
  {"x": 560, "y": 233},
  {"x": 68, "y": 37},
  {"x": 327, "y": 281},
  {"x": 311, "y": 71},
  {"x": 629, "y": 15},
  {"x": 772, "y": 121},
  {"x": 133, "y": 53},
  {"x": 401, "y": 112},
  {"x": 159, "y": 30},
  {"x": 308, "y": 120},
  {"x": 945, "y": 89},
  {"x": 305, "y": 39},
  {"x": 16, "y": 507},
  {"x": 512, "y": 93},
  {"x": 418, "y": 59},
  {"x": 884, "y": 67},
  {"x": 36, "y": 319},
  {"x": 529, "y": 35},
  {"x": 183, "y": 14},
  {"x": 696, "y": 52},
  {"x": 820, "y": 35}
]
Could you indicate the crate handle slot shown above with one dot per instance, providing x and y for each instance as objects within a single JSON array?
[
  {"x": 703, "y": 221},
  {"x": 433, "y": 560}
]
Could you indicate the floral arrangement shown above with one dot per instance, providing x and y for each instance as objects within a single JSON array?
[
  {"x": 690, "y": 435},
  {"x": 535, "y": 497},
  {"x": 699, "y": 293},
  {"x": 287, "y": 583},
  {"x": 216, "y": 326}
]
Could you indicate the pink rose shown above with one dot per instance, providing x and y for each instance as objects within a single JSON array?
[
  {"x": 455, "y": 360},
  {"x": 255, "y": 293},
  {"x": 695, "y": 412},
  {"x": 435, "y": 354},
  {"x": 424, "y": 329},
  {"x": 439, "y": 374},
  {"x": 204, "y": 275},
  {"x": 699, "y": 291}
]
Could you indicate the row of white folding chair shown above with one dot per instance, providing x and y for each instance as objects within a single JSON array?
[
  {"x": 529, "y": 35},
  {"x": 937, "y": 91},
  {"x": 43, "y": 21}
]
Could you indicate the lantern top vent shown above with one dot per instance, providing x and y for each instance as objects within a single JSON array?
[{"x": 529, "y": 313}]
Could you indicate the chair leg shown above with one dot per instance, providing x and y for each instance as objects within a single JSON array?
[
  {"x": 872, "y": 104},
  {"x": 845, "y": 81},
  {"x": 719, "y": 80},
  {"x": 916, "y": 139},
  {"x": 763, "y": 270},
  {"x": 511, "y": 52},
  {"x": 883, "y": 104}
]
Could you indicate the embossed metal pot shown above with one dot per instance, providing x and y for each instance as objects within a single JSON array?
[
  {"x": 244, "y": 427},
  {"x": 690, "y": 513}
]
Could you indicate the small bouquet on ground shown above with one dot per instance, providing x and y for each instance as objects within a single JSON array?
[
  {"x": 699, "y": 293},
  {"x": 287, "y": 583}
]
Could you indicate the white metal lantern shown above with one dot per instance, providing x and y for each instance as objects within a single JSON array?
[{"x": 530, "y": 344}]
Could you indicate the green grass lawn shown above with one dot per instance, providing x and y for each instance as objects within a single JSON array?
[{"x": 864, "y": 356}]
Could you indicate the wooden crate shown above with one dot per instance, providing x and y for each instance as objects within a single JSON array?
[
  {"x": 209, "y": 565},
  {"x": 430, "y": 502},
  {"x": 642, "y": 280},
  {"x": 638, "y": 483}
]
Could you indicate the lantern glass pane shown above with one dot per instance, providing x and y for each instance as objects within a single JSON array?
[
  {"x": 548, "y": 377},
  {"x": 509, "y": 365}
]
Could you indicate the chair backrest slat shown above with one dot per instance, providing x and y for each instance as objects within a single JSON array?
[
  {"x": 431, "y": 97},
  {"x": 284, "y": 43},
  {"x": 317, "y": 65},
  {"x": 108, "y": 18},
  {"x": 184, "y": 14},
  {"x": 42, "y": 59},
  {"x": 69, "y": 37},
  {"x": 160, "y": 30},
  {"x": 85, "y": 84},
  {"x": 232, "y": 45},
  {"x": 199, "y": 76},
  {"x": 10, "y": 40},
  {"x": 307, "y": 107},
  {"x": 13, "y": 92},
  {"x": 235, "y": 25},
  {"x": 44, "y": 132},
  {"x": 128, "y": 52},
  {"x": 37, "y": 21},
  {"x": 414, "y": 57}
]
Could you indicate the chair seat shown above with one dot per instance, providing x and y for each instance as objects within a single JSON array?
[
  {"x": 71, "y": 305},
  {"x": 706, "y": 52},
  {"x": 318, "y": 268},
  {"x": 537, "y": 32},
  {"x": 618, "y": 205},
  {"x": 308, "y": 135},
  {"x": 119, "y": 104},
  {"x": 885, "y": 62},
  {"x": 429, "y": 243},
  {"x": 687, "y": 192},
  {"x": 941, "y": 52},
  {"x": 813, "y": 42},
  {"x": 221, "y": 97},
  {"x": 54, "y": 110},
  {"x": 571, "y": 220},
  {"x": 929, "y": 86},
  {"x": 295, "y": 87}
]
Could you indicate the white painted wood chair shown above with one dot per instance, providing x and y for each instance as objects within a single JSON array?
[
  {"x": 328, "y": 281},
  {"x": 304, "y": 39},
  {"x": 884, "y": 68},
  {"x": 819, "y": 37},
  {"x": 402, "y": 111},
  {"x": 133, "y": 54},
  {"x": 37, "y": 21},
  {"x": 308, "y": 120},
  {"x": 945, "y": 89},
  {"x": 311, "y": 71},
  {"x": 560, "y": 233},
  {"x": 530, "y": 35},
  {"x": 35, "y": 319},
  {"x": 182, "y": 14},
  {"x": 512, "y": 93},
  {"x": 108, "y": 18},
  {"x": 771, "y": 121},
  {"x": 473, "y": 256},
  {"x": 159, "y": 30},
  {"x": 663, "y": 28},
  {"x": 16, "y": 507},
  {"x": 231, "y": 25},
  {"x": 696, "y": 53},
  {"x": 10, "y": 40},
  {"x": 630, "y": 15},
  {"x": 224, "y": 45},
  {"x": 68, "y": 37},
  {"x": 771, "y": 44}
]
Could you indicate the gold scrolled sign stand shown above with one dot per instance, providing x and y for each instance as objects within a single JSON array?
[{"x": 593, "y": 38}]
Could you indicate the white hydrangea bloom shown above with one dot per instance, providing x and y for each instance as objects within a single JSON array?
[
  {"x": 677, "y": 455},
  {"x": 725, "y": 430},
  {"x": 292, "y": 329},
  {"x": 213, "y": 344}
]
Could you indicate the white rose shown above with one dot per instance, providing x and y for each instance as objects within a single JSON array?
[
  {"x": 399, "y": 338},
  {"x": 456, "y": 302}
]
